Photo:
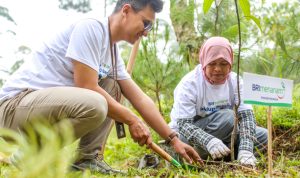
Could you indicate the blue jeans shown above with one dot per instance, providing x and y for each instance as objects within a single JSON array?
[{"x": 220, "y": 125}]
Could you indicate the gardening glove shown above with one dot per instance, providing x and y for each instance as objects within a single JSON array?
[
  {"x": 217, "y": 149},
  {"x": 247, "y": 158}
]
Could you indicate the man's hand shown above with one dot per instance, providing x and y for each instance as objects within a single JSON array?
[
  {"x": 139, "y": 132},
  {"x": 247, "y": 158},
  {"x": 217, "y": 149},
  {"x": 186, "y": 151}
]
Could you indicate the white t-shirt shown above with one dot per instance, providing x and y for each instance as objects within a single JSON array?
[
  {"x": 86, "y": 41},
  {"x": 196, "y": 96}
]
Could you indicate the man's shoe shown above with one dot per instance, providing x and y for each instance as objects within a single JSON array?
[{"x": 96, "y": 165}]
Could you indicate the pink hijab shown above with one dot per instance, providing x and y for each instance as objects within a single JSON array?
[{"x": 215, "y": 48}]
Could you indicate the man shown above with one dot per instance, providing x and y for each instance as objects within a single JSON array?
[{"x": 72, "y": 76}]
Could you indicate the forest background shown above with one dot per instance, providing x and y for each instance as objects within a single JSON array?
[{"x": 270, "y": 46}]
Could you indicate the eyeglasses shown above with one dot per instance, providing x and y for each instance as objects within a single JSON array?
[{"x": 148, "y": 25}]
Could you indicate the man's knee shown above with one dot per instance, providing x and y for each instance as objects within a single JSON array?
[{"x": 94, "y": 109}]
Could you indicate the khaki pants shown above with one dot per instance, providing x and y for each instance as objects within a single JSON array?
[{"x": 86, "y": 109}]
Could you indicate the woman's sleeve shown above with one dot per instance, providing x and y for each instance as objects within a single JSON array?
[
  {"x": 247, "y": 124},
  {"x": 184, "y": 110}
]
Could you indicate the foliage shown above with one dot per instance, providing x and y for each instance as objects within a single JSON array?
[
  {"x": 215, "y": 20},
  {"x": 20, "y": 55},
  {"x": 296, "y": 90},
  {"x": 270, "y": 44},
  {"x": 182, "y": 16},
  {"x": 5, "y": 13},
  {"x": 278, "y": 47},
  {"x": 79, "y": 5},
  {"x": 221, "y": 21},
  {"x": 284, "y": 118},
  {"x": 83, "y": 6},
  {"x": 243, "y": 4},
  {"x": 206, "y": 5},
  {"x": 159, "y": 67},
  {"x": 272, "y": 51},
  {"x": 130, "y": 151},
  {"x": 51, "y": 159},
  {"x": 40, "y": 152}
]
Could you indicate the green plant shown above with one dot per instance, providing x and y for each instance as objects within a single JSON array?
[
  {"x": 163, "y": 64},
  {"x": 284, "y": 118},
  {"x": 40, "y": 151}
]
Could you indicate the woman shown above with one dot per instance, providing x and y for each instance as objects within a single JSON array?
[{"x": 203, "y": 107}]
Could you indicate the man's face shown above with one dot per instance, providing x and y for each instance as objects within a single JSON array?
[{"x": 138, "y": 24}]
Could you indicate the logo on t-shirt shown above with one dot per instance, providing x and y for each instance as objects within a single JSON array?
[
  {"x": 103, "y": 70},
  {"x": 213, "y": 106}
]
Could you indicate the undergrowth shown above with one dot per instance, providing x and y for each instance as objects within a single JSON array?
[{"x": 47, "y": 152}]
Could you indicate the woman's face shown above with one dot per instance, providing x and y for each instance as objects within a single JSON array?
[{"x": 217, "y": 71}]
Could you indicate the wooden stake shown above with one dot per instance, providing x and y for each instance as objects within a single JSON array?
[
  {"x": 131, "y": 60},
  {"x": 132, "y": 57},
  {"x": 270, "y": 141}
]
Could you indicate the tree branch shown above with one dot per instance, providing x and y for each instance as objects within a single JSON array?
[{"x": 233, "y": 134}]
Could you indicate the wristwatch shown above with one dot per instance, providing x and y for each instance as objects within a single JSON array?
[{"x": 170, "y": 137}]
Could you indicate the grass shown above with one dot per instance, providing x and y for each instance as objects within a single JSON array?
[
  {"x": 283, "y": 118},
  {"x": 51, "y": 158}
]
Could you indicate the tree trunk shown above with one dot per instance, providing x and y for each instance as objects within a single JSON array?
[{"x": 182, "y": 16}]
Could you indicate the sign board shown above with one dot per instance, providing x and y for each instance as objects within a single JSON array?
[{"x": 266, "y": 90}]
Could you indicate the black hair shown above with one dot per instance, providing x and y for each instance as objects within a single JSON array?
[{"x": 138, "y": 5}]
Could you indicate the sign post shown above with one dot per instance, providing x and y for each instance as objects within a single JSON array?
[
  {"x": 268, "y": 91},
  {"x": 269, "y": 125}
]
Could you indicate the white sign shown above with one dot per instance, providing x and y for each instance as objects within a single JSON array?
[{"x": 266, "y": 90}]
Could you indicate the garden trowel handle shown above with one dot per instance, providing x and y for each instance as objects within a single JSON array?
[
  {"x": 163, "y": 154},
  {"x": 160, "y": 151}
]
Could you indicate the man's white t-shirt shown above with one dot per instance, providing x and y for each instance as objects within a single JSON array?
[
  {"x": 196, "y": 96},
  {"x": 86, "y": 41}
]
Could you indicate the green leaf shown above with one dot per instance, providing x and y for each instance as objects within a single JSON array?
[
  {"x": 266, "y": 64},
  {"x": 280, "y": 41},
  {"x": 232, "y": 31},
  {"x": 167, "y": 33},
  {"x": 4, "y": 13},
  {"x": 245, "y": 5},
  {"x": 207, "y": 5},
  {"x": 256, "y": 21}
]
